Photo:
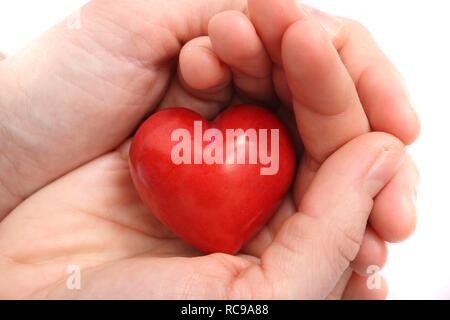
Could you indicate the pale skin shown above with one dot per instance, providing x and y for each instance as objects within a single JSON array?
[{"x": 75, "y": 96}]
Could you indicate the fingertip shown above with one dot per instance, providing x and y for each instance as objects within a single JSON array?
[
  {"x": 387, "y": 102},
  {"x": 304, "y": 44},
  {"x": 271, "y": 19},
  {"x": 200, "y": 68},
  {"x": 396, "y": 116},
  {"x": 228, "y": 32},
  {"x": 394, "y": 215},
  {"x": 236, "y": 42},
  {"x": 373, "y": 287},
  {"x": 373, "y": 252},
  {"x": 413, "y": 126}
]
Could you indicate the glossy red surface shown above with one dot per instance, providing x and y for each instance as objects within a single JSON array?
[{"x": 218, "y": 207}]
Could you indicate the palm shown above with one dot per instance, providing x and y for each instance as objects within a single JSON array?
[{"x": 94, "y": 219}]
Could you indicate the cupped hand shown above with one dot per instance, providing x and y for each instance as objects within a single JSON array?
[
  {"x": 339, "y": 84},
  {"x": 93, "y": 219},
  {"x": 107, "y": 77}
]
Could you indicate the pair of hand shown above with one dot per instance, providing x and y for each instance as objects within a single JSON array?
[{"x": 73, "y": 97}]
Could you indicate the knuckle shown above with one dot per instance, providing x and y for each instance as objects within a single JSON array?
[
  {"x": 347, "y": 244},
  {"x": 261, "y": 289},
  {"x": 342, "y": 242}
]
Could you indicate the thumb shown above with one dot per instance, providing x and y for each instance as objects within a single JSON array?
[{"x": 315, "y": 246}]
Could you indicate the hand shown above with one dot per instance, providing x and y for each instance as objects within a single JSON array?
[
  {"x": 330, "y": 84},
  {"x": 95, "y": 110},
  {"x": 93, "y": 218}
]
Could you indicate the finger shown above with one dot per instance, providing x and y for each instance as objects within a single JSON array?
[
  {"x": 271, "y": 19},
  {"x": 113, "y": 70},
  {"x": 361, "y": 288},
  {"x": 315, "y": 247},
  {"x": 309, "y": 166},
  {"x": 394, "y": 213},
  {"x": 380, "y": 86},
  {"x": 339, "y": 290},
  {"x": 236, "y": 42},
  {"x": 326, "y": 104},
  {"x": 204, "y": 82},
  {"x": 2, "y": 56},
  {"x": 201, "y": 70},
  {"x": 373, "y": 252}
]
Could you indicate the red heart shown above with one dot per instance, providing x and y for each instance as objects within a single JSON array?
[{"x": 214, "y": 207}]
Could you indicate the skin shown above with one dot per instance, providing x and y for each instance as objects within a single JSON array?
[{"x": 73, "y": 96}]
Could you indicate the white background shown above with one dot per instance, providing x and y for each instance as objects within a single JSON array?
[{"x": 416, "y": 36}]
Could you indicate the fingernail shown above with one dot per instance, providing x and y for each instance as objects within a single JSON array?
[
  {"x": 331, "y": 24},
  {"x": 383, "y": 169}
]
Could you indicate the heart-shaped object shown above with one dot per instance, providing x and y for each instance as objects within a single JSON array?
[{"x": 214, "y": 184}]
